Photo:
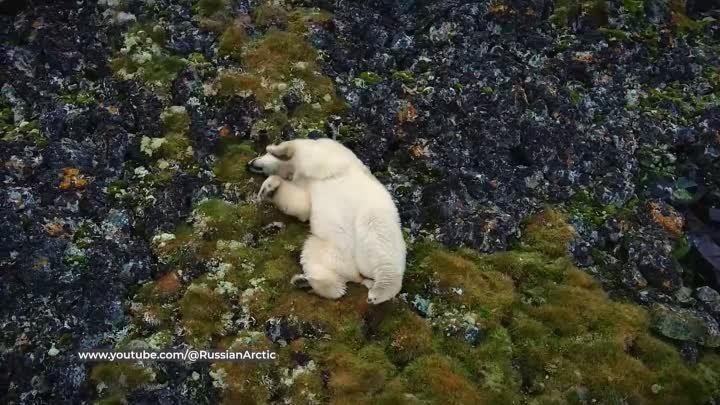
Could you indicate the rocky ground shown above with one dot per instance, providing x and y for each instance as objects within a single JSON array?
[{"x": 556, "y": 166}]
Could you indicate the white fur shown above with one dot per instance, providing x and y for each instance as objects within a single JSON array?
[{"x": 355, "y": 226}]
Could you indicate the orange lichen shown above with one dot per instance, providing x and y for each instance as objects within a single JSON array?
[
  {"x": 168, "y": 284},
  {"x": 407, "y": 114},
  {"x": 72, "y": 179},
  {"x": 54, "y": 229},
  {"x": 673, "y": 224}
]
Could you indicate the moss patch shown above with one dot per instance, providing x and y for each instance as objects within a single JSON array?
[
  {"x": 116, "y": 380},
  {"x": 280, "y": 69},
  {"x": 144, "y": 57},
  {"x": 523, "y": 326}
]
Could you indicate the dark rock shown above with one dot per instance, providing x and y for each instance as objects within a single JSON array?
[
  {"x": 686, "y": 325},
  {"x": 12, "y": 7}
]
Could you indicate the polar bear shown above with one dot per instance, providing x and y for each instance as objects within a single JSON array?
[{"x": 354, "y": 224}]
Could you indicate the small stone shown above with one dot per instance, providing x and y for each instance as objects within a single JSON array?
[
  {"x": 707, "y": 295},
  {"x": 684, "y": 295},
  {"x": 473, "y": 335},
  {"x": 124, "y": 18},
  {"x": 195, "y": 376},
  {"x": 690, "y": 352},
  {"x": 714, "y": 214},
  {"x": 53, "y": 351},
  {"x": 686, "y": 325},
  {"x": 634, "y": 278},
  {"x": 710, "y": 298}
]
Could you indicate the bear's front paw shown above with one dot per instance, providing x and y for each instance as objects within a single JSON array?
[
  {"x": 269, "y": 187},
  {"x": 300, "y": 281}
]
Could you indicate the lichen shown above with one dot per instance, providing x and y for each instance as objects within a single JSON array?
[
  {"x": 143, "y": 56},
  {"x": 202, "y": 311},
  {"x": 370, "y": 78},
  {"x": 509, "y": 327},
  {"x": 231, "y": 166},
  {"x": 173, "y": 149},
  {"x": 549, "y": 233},
  {"x": 278, "y": 67},
  {"x": 24, "y": 131},
  {"x": 116, "y": 380},
  {"x": 207, "y": 8},
  {"x": 232, "y": 41}
]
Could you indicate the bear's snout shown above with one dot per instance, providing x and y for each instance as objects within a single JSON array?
[{"x": 252, "y": 167}]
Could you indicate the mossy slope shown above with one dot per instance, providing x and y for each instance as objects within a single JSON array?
[{"x": 523, "y": 326}]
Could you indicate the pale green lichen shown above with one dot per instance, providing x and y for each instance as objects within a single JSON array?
[
  {"x": 173, "y": 150},
  {"x": 143, "y": 56},
  {"x": 24, "y": 131},
  {"x": 280, "y": 63},
  {"x": 115, "y": 380}
]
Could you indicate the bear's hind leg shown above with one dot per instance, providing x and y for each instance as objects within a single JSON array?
[{"x": 320, "y": 260}]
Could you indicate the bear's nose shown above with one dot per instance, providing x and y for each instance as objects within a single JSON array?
[{"x": 253, "y": 168}]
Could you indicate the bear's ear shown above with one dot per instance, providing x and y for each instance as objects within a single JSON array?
[{"x": 283, "y": 151}]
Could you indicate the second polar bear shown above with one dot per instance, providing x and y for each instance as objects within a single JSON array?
[{"x": 354, "y": 224}]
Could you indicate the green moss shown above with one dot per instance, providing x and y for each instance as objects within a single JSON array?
[
  {"x": 112, "y": 400},
  {"x": 567, "y": 11},
  {"x": 370, "y": 78},
  {"x": 231, "y": 167},
  {"x": 143, "y": 57},
  {"x": 616, "y": 35},
  {"x": 491, "y": 363},
  {"x": 340, "y": 319},
  {"x": 657, "y": 162},
  {"x": 232, "y": 41},
  {"x": 208, "y": 8},
  {"x": 117, "y": 188},
  {"x": 300, "y": 19},
  {"x": 354, "y": 375},
  {"x": 663, "y": 102},
  {"x": 406, "y": 336},
  {"x": 459, "y": 280},
  {"x": 278, "y": 54},
  {"x": 80, "y": 262},
  {"x": 543, "y": 331},
  {"x": 175, "y": 120},
  {"x": 437, "y": 379},
  {"x": 681, "y": 23},
  {"x": 202, "y": 311},
  {"x": 548, "y": 232},
  {"x": 244, "y": 383},
  {"x": 223, "y": 220},
  {"x": 119, "y": 379},
  {"x": 270, "y": 15},
  {"x": 634, "y": 7},
  {"x": 279, "y": 63},
  {"x": 271, "y": 126},
  {"x": 26, "y": 131},
  {"x": 82, "y": 98},
  {"x": 171, "y": 150},
  {"x": 404, "y": 76},
  {"x": 584, "y": 206}
]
